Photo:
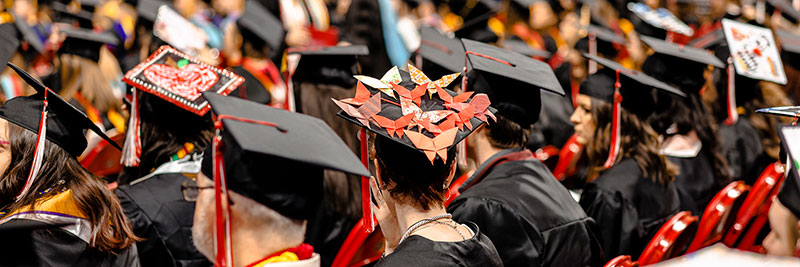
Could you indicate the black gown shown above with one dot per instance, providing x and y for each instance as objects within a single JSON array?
[
  {"x": 252, "y": 89},
  {"x": 529, "y": 216},
  {"x": 418, "y": 251},
  {"x": 158, "y": 213},
  {"x": 696, "y": 183},
  {"x": 741, "y": 146},
  {"x": 628, "y": 208}
]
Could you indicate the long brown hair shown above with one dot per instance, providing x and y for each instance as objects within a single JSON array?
[
  {"x": 83, "y": 75},
  {"x": 638, "y": 141},
  {"x": 61, "y": 171}
]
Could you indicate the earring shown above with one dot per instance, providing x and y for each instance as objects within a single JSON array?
[{"x": 446, "y": 188}]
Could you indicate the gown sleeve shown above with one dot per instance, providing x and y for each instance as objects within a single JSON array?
[
  {"x": 617, "y": 223},
  {"x": 519, "y": 243}
]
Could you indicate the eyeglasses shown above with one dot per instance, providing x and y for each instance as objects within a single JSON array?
[{"x": 189, "y": 189}]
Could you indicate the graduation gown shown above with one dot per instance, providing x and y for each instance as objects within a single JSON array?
[
  {"x": 529, "y": 216},
  {"x": 158, "y": 213},
  {"x": 695, "y": 183},
  {"x": 45, "y": 243},
  {"x": 418, "y": 251},
  {"x": 628, "y": 208},
  {"x": 741, "y": 146}
]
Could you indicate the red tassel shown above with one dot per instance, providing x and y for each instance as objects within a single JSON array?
[
  {"x": 615, "y": 129},
  {"x": 222, "y": 228},
  {"x": 733, "y": 114},
  {"x": 39, "y": 152},
  {"x": 367, "y": 216}
]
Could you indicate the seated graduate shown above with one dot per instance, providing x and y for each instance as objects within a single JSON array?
[
  {"x": 630, "y": 192},
  {"x": 44, "y": 182},
  {"x": 529, "y": 216},
  {"x": 415, "y": 149},
  {"x": 686, "y": 125},
  {"x": 167, "y": 133},
  {"x": 267, "y": 168}
]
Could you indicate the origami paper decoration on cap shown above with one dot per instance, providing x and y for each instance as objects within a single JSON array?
[{"x": 178, "y": 79}]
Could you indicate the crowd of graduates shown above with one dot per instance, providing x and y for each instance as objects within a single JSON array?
[{"x": 397, "y": 132}]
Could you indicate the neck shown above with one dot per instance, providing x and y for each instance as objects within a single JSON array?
[
  {"x": 408, "y": 215},
  {"x": 485, "y": 150},
  {"x": 249, "y": 247}
]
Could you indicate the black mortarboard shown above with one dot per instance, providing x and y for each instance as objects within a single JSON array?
[
  {"x": 477, "y": 28},
  {"x": 85, "y": 43},
  {"x": 258, "y": 21},
  {"x": 28, "y": 34},
  {"x": 709, "y": 40},
  {"x": 789, "y": 194},
  {"x": 605, "y": 40},
  {"x": 328, "y": 65},
  {"x": 512, "y": 81},
  {"x": 790, "y": 42},
  {"x": 148, "y": 9},
  {"x": 789, "y": 111},
  {"x": 663, "y": 64},
  {"x": 8, "y": 41},
  {"x": 65, "y": 123},
  {"x": 521, "y": 47},
  {"x": 295, "y": 144},
  {"x": 470, "y": 9},
  {"x": 634, "y": 88},
  {"x": 785, "y": 7},
  {"x": 83, "y": 18},
  {"x": 440, "y": 54}
]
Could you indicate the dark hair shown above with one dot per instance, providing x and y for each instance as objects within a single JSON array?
[
  {"x": 409, "y": 175},
  {"x": 165, "y": 128},
  {"x": 689, "y": 114},
  {"x": 637, "y": 140},
  {"x": 61, "y": 171},
  {"x": 505, "y": 133}
]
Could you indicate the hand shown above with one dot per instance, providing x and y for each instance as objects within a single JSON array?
[
  {"x": 386, "y": 219},
  {"x": 298, "y": 36}
]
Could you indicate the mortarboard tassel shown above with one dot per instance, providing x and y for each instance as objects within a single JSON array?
[
  {"x": 367, "y": 215},
  {"x": 593, "y": 52},
  {"x": 615, "y": 129},
  {"x": 132, "y": 148},
  {"x": 733, "y": 114},
  {"x": 223, "y": 249},
  {"x": 39, "y": 152}
]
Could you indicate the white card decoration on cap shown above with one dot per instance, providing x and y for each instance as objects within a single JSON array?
[
  {"x": 660, "y": 18},
  {"x": 178, "y": 31},
  {"x": 791, "y": 139},
  {"x": 754, "y": 51}
]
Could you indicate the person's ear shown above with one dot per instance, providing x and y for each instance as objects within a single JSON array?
[
  {"x": 452, "y": 173},
  {"x": 378, "y": 173}
]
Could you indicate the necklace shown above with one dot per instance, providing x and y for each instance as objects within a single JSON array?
[{"x": 434, "y": 219}]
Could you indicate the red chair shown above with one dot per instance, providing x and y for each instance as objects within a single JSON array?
[
  {"x": 621, "y": 261},
  {"x": 719, "y": 215},
  {"x": 752, "y": 216},
  {"x": 103, "y": 158},
  {"x": 360, "y": 248},
  {"x": 567, "y": 158},
  {"x": 548, "y": 155},
  {"x": 671, "y": 239}
]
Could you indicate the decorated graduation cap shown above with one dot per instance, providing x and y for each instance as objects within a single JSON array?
[
  {"x": 51, "y": 117},
  {"x": 411, "y": 109},
  {"x": 511, "y": 80},
  {"x": 30, "y": 37},
  {"x": 258, "y": 22},
  {"x": 622, "y": 88},
  {"x": 295, "y": 148},
  {"x": 8, "y": 41},
  {"x": 678, "y": 65},
  {"x": 438, "y": 53},
  {"x": 177, "y": 78},
  {"x": 753, "y": 54},
  {"x": 789, "y": 194},
  {"x": 85, "y": 43},
  {"x": 660, "y": 18}
]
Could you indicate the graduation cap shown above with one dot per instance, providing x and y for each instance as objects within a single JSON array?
[
  {"x": 8, "y": 41},
  {"x": 677, "y": 64},
  {"x": 511, "y": 80},
  {"x": 258, "y": 22},
  {"x": 789, "y": 194},
  {"x": 600, "y": 39},
  {"x": 785, "y": 7},
  {"x": 477, "y": 28},
  {"x": 177, "y": 78},
  {"x": 64, "y": 125},
  {"x": 30, "y": 37},
  {"x": 790, "y": 42},
  {"x": 86, "y": 43},
  {"x": 439, "y": 54},
  {"x": 295, "y": 148},
  {"x": 623, "y": 88},
  {"x": 521, "y": 47},
  {"x": 709, "y": 40},
  {"x": 82, "y": 18},
  {"x": 327, "y": 65},
  {"x": 148, "y": 9},
  {"x": 410, "y": 109}
]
